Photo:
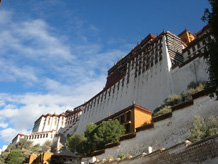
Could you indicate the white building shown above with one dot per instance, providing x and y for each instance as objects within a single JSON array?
[
  {"x": 48, "y": 126},
  {"x": 156, "y": 68}
]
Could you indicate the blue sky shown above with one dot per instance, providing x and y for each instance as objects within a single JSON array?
[{"x": 54, "y": 54}]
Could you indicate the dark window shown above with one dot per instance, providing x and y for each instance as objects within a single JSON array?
[
  {"x": 152, "y": 64},
  {"x": 122, "y": 119},
  {"x": 188, "y": 52},
  {"x": 193, "y": 48},
  {"x": 127, "y": 128},
  {"x": 128, "y": 116},
  {"x": 156, "y": 61},
  {"x": 160, "y": 58},
  {"x": 143, "y": 70},
  {"x": 198, "y": 45}
]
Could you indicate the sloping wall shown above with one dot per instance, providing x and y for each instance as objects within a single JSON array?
[
  {"x": 204, "y": 151},
  {"x": 167, "y": 132}
]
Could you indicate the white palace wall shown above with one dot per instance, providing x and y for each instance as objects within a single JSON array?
[
  {"x": 154, "y": 82},
  {"x": 158, "y": 82},
  {"x": 166, "y": 133},
  {"x": 194, "y": 71}
]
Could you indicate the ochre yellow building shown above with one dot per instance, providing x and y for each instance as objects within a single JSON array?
[
  {"x": 186, "y": 36},
  {"x": 132, "y": 117},
  {"x": 40, "y": 159}
]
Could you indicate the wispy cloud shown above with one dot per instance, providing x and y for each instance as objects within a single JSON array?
[
  {"x": 7, "y": 133},
  {"x": 62, "y": 72}
]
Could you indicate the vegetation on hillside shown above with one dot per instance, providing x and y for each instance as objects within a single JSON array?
[
  {"x": 95, "y": 137},
  {"x": 211, "y": 18},
  {"x": 17, "y": 154},
  {"x": 174, "y": 99},
  {"x": 202, "y": 129}
]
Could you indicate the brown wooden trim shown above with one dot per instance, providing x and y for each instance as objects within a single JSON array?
[
  {"x": 199, "y": 94},
  {"x": 145, "y": 127},
  {"x": 127, "y": 136},
  {"x": 98, "y": 152},
  {"x": 182, "y": 105},
  {"x": 131, "y": 107},
  {"x": 162, "y": 117},
  {"x": 110, "y": 145}
]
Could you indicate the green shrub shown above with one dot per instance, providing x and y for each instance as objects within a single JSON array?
[
  {"x": 198, "y": 88},
  {"x": 173, "y": 100},
  {"x": 186, "y": 96},
  {"x": 121, "y": 156},
  {"x": 212, "y": 126},
  {"x": 200, "y": 129},
  {"x": 193, "y": 84},
  {"x": 127, "y": 155},
  {"x": 164, "y": 110}
]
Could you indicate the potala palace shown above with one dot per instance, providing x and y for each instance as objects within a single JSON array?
[{"x": 154, "y": 69}]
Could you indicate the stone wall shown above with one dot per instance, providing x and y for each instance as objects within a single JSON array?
[
  {"x": 166, "y": 132},
  {"x": 205, "y": 151}
]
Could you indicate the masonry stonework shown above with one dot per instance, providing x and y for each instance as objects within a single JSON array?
[{"x": 203, "y": 152}]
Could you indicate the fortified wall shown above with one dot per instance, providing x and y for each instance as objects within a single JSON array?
[
  {"x": 155, "y": 69},
  {"x": 165, "y": 132},
  {"x": 204, "y": 151}
]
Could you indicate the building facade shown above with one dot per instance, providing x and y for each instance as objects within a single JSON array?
[
  {"x": 48, "y": 126},
  {"x": 156, "y": 68}
]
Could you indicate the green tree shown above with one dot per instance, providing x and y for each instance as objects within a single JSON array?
[
  {"x": 74, "y": 141},
  {"x": 24, "y": 144},
  {"x": 14, "y": 157},
  {"x": 211, "y": 17},
  {"x": 212, "y": 126},
  {"x": 198, "y": 130},
  {"x": 201, "y": 129},
  {"x": 108, "y": 132},
  {"x": 2, "y": 160},
  {"x": 96, "y": 136}
]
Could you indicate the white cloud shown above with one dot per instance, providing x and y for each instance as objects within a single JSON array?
[
  {"x": 8, "y": 134},
  {"x": 64, "y": 74},
  {"x": 3, "y": 125}
]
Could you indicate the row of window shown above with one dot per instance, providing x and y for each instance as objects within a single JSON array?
[
  {"x": 155, "y": 46},
  {"x": 38, "y": 136},
  {"x": 55, "y": 121},
  {"x": 72, "y": 121},
  {"x": 104, "y": 95},
  {"x": 117, "y": 85},
  {"x": 198, "y": 46},
  {"x": 125, "y": 118},
  {"x": 145, "y": 57}
]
